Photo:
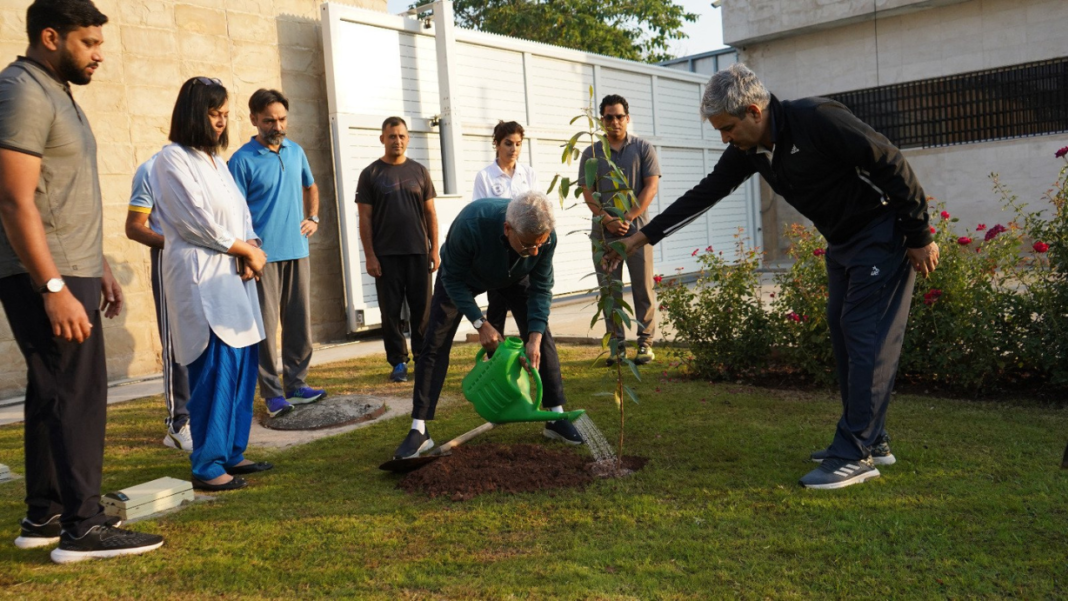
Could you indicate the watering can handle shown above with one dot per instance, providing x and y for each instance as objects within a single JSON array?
[{"x": 537, "y": 377}]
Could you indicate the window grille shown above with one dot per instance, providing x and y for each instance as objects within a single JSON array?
[{"x": 995, "y": 104}]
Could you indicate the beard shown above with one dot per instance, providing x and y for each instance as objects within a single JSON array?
[
  {"x": 275, "y": 139},
  {"x": 68, "y": 70}
]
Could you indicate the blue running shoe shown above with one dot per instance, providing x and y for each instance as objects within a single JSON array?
[
  {"x": 399, "y": 373},
  {"x": 305, "y": 395},
  {"x": 277, "y": 406}
]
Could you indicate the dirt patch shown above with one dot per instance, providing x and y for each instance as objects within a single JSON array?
[{"x": 473, "y": 470}]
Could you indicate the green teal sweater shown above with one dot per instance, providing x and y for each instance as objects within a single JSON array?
[{"x": 476, "y": 257}]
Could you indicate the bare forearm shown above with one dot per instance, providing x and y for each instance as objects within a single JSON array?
[
  {"x": 311, "y": 201},
  {"x": 144, "y": 235},
  {"x": 645, "y": 199},
  {"x": 241, "y": 249},
  {"x": 591, "y": 204}
]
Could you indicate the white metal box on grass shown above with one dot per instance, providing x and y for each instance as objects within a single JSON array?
[
  {"x": 148, "y": 498},
  {"x": 5, "y": 473}
]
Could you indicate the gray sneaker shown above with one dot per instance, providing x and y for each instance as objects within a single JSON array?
[
  {"x": 880, "y": 453},
  {"x": 839, "y": 473}
]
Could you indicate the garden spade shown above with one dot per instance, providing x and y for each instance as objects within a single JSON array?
[{"x": 414, "y": 463}]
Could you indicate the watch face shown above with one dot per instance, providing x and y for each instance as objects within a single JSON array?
[{"x": 54, "y": 285}]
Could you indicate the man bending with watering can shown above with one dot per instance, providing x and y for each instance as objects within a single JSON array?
[
  {"x": 506, "y": 246},
  {"x": 860, "y": 193}
]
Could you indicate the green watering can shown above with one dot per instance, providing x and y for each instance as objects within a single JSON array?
[{"x": 499, "y": 388}]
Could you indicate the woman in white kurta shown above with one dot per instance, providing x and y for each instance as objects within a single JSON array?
[
  {"x": 505, "y": 177},
  {"x": 209, "y": 260}
]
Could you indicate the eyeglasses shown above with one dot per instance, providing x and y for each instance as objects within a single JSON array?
[
  {"x": 207, "y": 81},
  {"x": 532, "y": 246},
  {"x": 611, "y": 118}
]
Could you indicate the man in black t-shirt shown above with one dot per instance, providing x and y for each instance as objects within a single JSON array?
[{"x": 399, "y": 230}]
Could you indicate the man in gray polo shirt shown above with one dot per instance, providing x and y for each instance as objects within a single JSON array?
[
  {"x": 52, "y": 277},
  {"x": 637, "y": 159}
]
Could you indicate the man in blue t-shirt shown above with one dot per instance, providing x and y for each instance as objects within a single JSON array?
[
  {"x": 274, "y": 175},
  {"x": 141, "y": 227}
]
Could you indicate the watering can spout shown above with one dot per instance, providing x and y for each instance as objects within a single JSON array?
[{"x": 500, "y": 388}]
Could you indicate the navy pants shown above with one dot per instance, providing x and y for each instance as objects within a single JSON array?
[
  {"x": 223, "y": 383},
  {"x": 870, "y": 282},
  {"x": 433, "y": 363}
]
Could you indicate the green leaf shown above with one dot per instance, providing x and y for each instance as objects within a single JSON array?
[
  {"x": 575, "y": 118},
  {"x": 631, "y": 393},
  {"x": 619, "y": 401},
  {"x": 604, "y": 340},
  {"x": 591, "y": 173},
  {"x": 553, "y": 184},
  {"x": 624, "y": 319},
  {"x": 633, "y": 369},
  {"x": 615, "y": 212}
]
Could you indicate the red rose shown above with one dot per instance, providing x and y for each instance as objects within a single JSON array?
[
  {"x": 994, "y": 231},
  {"x": 1041, "y": 247},
  {"x": 932, "y": 296},
  {"x": 1061, "y": 152},
  {"x": 819, "y": 252},
  {"x": 933, "y": 229},
  {"x": 794, "y": 316},
  {"x": 708, "y": 248},
  {"x": 964, "y": 241},
  {"x": 694, "y": 253},
  {"x": 980, "y": 227},
  {"x": 658, "y": 278},
  {"x": 945, "y": 214}
]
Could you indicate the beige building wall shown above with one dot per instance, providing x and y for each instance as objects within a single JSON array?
[
  {"x": 151, "y": 47},
  {"x": 813, "y": 47}
]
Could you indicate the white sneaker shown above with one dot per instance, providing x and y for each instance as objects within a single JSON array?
[{"x": 181, "y": 440}]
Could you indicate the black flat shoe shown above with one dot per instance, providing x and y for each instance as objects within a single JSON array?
[
  {"x": 250, "y": 468},
  {"x": 234, "y": 484}
]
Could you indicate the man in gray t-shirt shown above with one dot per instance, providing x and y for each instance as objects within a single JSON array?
[
  {"x": 52, "y": 277},
  {"x": 637, "y": 159}
]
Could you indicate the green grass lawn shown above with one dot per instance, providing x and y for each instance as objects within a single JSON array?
[{"x": 976, "y": 506}]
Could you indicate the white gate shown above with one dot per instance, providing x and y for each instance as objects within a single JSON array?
[{"x": 379, "y": 65}]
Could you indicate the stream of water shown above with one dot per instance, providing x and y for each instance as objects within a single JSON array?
[{"x": 595, "y": 440}]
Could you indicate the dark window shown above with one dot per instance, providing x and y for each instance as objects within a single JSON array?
[{"x": 996, "y": 104}]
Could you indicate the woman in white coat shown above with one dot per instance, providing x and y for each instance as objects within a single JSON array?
[
  {"x": 209, "y": 261},
  {"x": 505, "y": 177}
]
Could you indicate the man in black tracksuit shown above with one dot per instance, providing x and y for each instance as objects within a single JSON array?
[{"x": 861, "y": 194}]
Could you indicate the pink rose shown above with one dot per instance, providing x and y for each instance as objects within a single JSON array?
[
  {"x": 708, "y": 248},
  {"x": 819, "y": 252},
  {"x": 1041, "y": 247},
  {"x": 964, "y": 241},
  {"x": 980, "y": 227},
  {"x": 694, "y": 253}
]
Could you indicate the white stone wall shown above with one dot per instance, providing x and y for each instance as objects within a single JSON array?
[
  {"x": 828, "y": 52},
  {"x": 151, "y": 47}
]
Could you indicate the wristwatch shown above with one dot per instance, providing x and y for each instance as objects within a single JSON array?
[
  {"x": 53, "y": 285},
  {"x": 478, "y": 322},
  {"x": 314, "y": 219}
]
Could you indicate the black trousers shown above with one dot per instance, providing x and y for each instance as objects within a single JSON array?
[
  {"x": 496, "y": 310},
  {"x": 870, "y": 283},
  {"x": 66, "y": 406},
  {"x": 175, "y": 375},
  {"x": 433, "y": 363},
  {"x": 404, "y": 278}
]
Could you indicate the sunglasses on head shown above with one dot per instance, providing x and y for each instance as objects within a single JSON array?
[{"x": 207, "y": 81}]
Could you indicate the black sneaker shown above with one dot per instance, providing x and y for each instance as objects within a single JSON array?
[
  {"x": 880, "y": 453},
  {"x": 414, "y": 443},
  {"x": 562, "y": 430},
  {"x": 104, "y": 541},
  {"x": 839, "y": 473},
  {"x": 39, "y": 535}
]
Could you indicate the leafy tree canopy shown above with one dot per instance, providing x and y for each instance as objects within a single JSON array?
[{"x": 630, "y": 29}]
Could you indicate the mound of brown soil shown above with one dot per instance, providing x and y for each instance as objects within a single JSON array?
[{"x": 477, "y": 469}]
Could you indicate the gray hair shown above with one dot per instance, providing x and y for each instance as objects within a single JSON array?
[
  {"x": 531, "y": 214},
  {"x": 731, "y": 91}
]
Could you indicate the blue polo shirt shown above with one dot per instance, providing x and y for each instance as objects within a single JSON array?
[
  {"x": 141, "y": 199},
  {"x": 273, "y": 184}
]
